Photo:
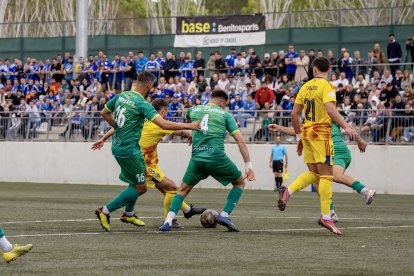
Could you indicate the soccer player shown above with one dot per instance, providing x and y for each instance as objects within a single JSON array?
[
  {"x": 151, "y": 136},
  {"x": 318, "y": 98},
  {"x": 11, "y": 252},
  {"x": 342, "y": 161},
  {"x": 131, "y": 109},
  {"x": 208, "y": 158},
  {"x": 276, "y": 161}
]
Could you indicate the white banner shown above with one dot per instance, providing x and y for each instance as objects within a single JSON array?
[{"x": 218, "y": 40}]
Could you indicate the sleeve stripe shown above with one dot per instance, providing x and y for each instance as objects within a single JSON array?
[
  {"x": 107, "y": 108},
  {"x": 154, "y": 117},
  {"x": 234, "y": 131}
]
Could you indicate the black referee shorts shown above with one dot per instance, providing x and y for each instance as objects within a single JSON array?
[{"x": 278, "y": 166}]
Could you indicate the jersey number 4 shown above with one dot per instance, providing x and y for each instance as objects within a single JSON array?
[
  {"x": 120, "y": 117},
  {"x": 310, "y": 110},
  {"x": 204, "y": 123}
]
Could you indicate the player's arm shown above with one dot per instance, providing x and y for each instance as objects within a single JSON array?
[
  {"x": 297, "y": 110},
  {"x": 339, "y": 120},
  {"x": 271, "y": 159},
  {"x": 238, "y": 137},
  {"x": 285, "y": 130},
  {"x": 101, "y": 142},
  {"x": 286, "y": 160},
  {"x": 167, "y": 125},
  {"x": 184, "y": 134},
  {"x": 107, "y": 115}
]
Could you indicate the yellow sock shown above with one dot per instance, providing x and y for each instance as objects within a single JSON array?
[
  {"x": 184, "y": 206},
  {"x": 303, "y": 180},
  {"x": 325, "y": 193},
  {"x": 168, "y": 198}
]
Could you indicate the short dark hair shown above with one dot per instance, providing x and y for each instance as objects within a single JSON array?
[
  {"x": 219, "y": 94},
  {"x": 146, "y": 77},
  {"x": 159, "y": 103},
  {"x": 140, "y": 52},
  {"x": 322, "y": 64},
  {"x": 391, "y": 34}
]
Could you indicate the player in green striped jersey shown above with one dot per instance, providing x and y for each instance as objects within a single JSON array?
[
  {"x": 130, "y": 110},
  {"x": 209, "y": 158},
  {"x": 342, "y": 161}
]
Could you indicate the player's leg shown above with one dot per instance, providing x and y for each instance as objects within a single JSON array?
[
  {"x": 132, "y": 172},
  {"x": 278, "y": 171},
  {"x": 340, "y": 177},
  {"x": 11, "y": 252}
]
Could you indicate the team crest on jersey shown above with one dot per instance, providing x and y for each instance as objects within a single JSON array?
[{"x": 331, "y": 94}]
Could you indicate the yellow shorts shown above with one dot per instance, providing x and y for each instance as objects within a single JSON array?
[
  {"x": 154, "y": 173},
  {"x": 318, "y": 151}
]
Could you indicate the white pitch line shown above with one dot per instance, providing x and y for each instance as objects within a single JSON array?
[
  {"x": 203, "y": 231},
  {"x": 160, "y": 217}
]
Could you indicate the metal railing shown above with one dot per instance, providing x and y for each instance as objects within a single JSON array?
[
  {"x": 382, "y": 127},
  {"x": 165, "y": 25}
]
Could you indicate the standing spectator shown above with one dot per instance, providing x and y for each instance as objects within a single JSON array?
[
  {"x": 320, "y": 54},
  {"x": 264, "y": 97},
  {"x": 187, "y": 69},
  {"x": 180, "y": 61},
  {"x": 380, "y": 57},
  {"x": 302, "y": 65},
  {"x": 219, "y": 62},
  {"x": 211, "y": 64},
  {"x": 140, "y": 62},
  {"x": 56, "y": 70},
  {"x": 255, "y": 65},
  {"x": 267, "y": 65},
  {"x": 169, "y": 66},
  {"x": 153, "y": 67},
  {"x": 239, "y": 65},
  {"x": 346, "y": 61},
  {"x": 128, "y": 67},
  {"x": 310, "y": 66},
  {"x": 105, "y": 68},
  {"x": 280, "y": 64},
  {"x": 229, "y": 61},
  {"x": 332, "y": 60},
  {"x": 370, "y": 61},
  {"x": 340, "y": 94},
  {"x": 394, "y": 53},
  {"x": 358, "y": 63},
  {"x": 68, "y": 69},
  {"x": 290, "y": 61},
  {"x": 410, "y": 49},
  {"x": 160, "y": 59},
  {"x": 199, "y": 64},
  {"x": 116, "y": 82},
  {"x": 340, "y": 65}
]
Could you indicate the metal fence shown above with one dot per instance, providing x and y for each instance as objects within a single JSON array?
[
  {"x": 377, "y": 16},
  {"x": 374, "y": 126}
]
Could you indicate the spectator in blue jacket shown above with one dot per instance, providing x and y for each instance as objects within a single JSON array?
[
  {"x": 248, "y": 107},
  {"x": 394, "y": 53},
  {"x": 290, "y": 60},
  {"x": 346, "y": 62},
  {"x": 205, "y": 97},
  {"x": 187, "y": 69},
  {"x": 140, "y": 62},
  {"x": 152, "y": 66}
]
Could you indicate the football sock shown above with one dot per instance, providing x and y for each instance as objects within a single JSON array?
[
  {"x": 302, "y": 181},
  {"x": 331, "y": 207},
  {"x": 358, "y": 186},
  {"x": 170, "y": 217},
  {"x": 176, "y": 203},
  {"x": 279, "y": 181},
  {"x": 129, "y": 214},
  {"x": 224, "y": 214},
  {"x": 232, "y": 199},
  {"x": 105, "y": 210},
  {"x": 129, "y": 195},
  {"x": 5, "y": 245},
  {"x": 129, "y": 208},
  {"x": 326, "y": 217},
  {"x": 325, "y": 194},
  {"x": 364, "y": 191},
  {"x": 168, "y": 198}
]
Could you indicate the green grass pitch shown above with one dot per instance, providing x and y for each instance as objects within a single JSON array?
[{"x": 59, "y": 220}]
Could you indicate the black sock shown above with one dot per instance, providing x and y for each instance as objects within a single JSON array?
[{"x": 279, "y": 181}]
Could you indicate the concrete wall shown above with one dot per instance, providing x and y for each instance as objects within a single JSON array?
[{"x": 385, "y": 168}]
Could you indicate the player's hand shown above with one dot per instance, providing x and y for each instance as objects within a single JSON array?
[
  {"x": 273, "y": 127},
  {"x": 362, "y": 145},
  {"x": 190, "y": 140},
  {"x": 249, "y": 175},
  {"x": 195, "y": 125},
  {"x": 299, "y": 147},
  {"x": 98, "y": 144},
  {"x": 353, "y": 135},
  {"x": 270, "y": 165}
]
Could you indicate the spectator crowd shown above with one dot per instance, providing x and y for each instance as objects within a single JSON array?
[{"x": 59, "y": 89}]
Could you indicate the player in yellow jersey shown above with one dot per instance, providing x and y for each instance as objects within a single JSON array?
[
  {"x": 317, "y": 98},
  {"x": 151, "y": 136}
]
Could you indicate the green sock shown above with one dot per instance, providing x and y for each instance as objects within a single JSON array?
[
  {"x": 127, "y": 196},
  {"x": 331, "y": 207},
  {"x": 358, "y": 186},
  {"x": 1, "y": 233},
  {"x": 232, "y": 199},
  {"x": 130, "y": 206},
  {"x": 176, "y": 203}
]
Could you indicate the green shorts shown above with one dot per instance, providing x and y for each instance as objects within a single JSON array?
[
  {"x": 342, "y": 156},
  {"x": 224, "y": 171},
  {"x": 132, "y": 169}
]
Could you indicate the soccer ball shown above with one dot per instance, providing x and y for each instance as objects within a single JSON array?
[{"x": 209, "y": 218}]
